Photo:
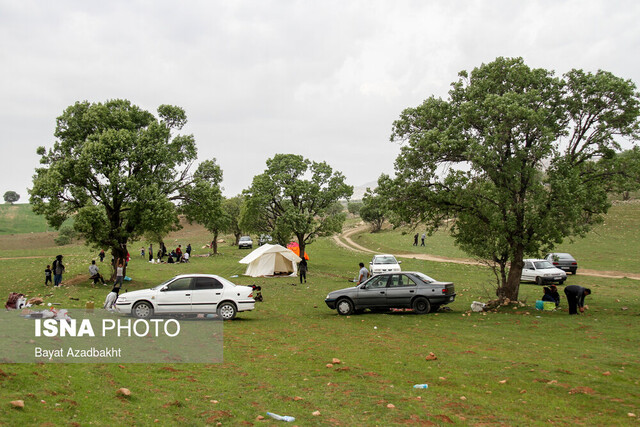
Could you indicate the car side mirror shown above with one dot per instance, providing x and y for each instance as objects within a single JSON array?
[
  {"x": 399, "y": 262},
  {"x": 163, "y": 289}
]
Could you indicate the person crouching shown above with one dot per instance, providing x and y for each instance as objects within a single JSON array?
[{"x": 110, "y": 300}]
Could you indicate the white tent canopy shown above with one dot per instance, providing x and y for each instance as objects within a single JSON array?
[{"x": 269, "y": 260}]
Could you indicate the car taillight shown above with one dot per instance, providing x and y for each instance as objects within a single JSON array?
[
  {"x": 556, "y": 263},
  {"x": 574, "y": 263},
  {"x": 250, "y": 295},
  {"x": 445, "y": 290}
]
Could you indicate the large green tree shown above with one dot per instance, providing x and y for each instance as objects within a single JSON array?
[
  {"x": 117, "y": 169},
  {"x": 295, "y": 196},
  {"x": 203, "y": 201},
  {"x": 520, "y": 158},
  {"x": 11, "y": 197},
  {"x": 374, "y": 209},
  {"x": 233, "y": 208}
]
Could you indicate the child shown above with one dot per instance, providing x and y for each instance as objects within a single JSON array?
[
  {"x": 47, "y": 275},
  {"x": 119, "y": 275}
]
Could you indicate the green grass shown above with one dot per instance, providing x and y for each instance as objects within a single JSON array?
[
  {"x": 19, "y": 218},
  {"x": 552, "y": 365},
  {"x": 611, "y": 246}
]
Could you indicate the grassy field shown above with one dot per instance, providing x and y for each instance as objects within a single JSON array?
[
  {"x": 19, "y": 218},
  {"x": 517, "y": 366},
  {"x": 611, "y": 246}
]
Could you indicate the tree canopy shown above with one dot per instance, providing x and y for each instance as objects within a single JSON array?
[
  {"x": 117, "y": 169},
  {"x": 295, "y": 196},
  {"x": 203, "y": 201},
  {"x": 518, "y": 157},
  {"x": 11, "y": 197}
]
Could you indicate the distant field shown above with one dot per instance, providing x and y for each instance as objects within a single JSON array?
[
  {"x": 611, "y": 246},
  {"x": 19, "y": 218}
]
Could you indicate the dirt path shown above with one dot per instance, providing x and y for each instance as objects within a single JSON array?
[{"x": 344, "y": 240}]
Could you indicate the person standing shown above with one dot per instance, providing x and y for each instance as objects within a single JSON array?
[
  {"x": 95, "y": 273},
  {"x": 575, "y": 297},
  {"x": 119, "y": 275},
  {"x": 150, "y": 252},
  {"x": 47, "y": 275},
  {"x": 179, "y": 253},
  {"x": 142, "y": 252},
  {"x": 58, "y": 270},
  {"x": 363, "y": 274},
  {"x": 415, "y": 240},
  {"x": 302, "y": 269},
  {"x": 101, "y": 255},
  {"x": 424, "y": 236},
  {"x": 189, "y": 249}
]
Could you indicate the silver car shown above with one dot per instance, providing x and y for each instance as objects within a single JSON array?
[
  {"x": 407, "y": 289},
  {"x": 563, "y": 261}
]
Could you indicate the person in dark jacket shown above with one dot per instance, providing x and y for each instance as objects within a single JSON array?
[
  {"x": 58, "y": 270},
  {"x": 575, "y": 297},
  {"x": 551, "y": 294}
]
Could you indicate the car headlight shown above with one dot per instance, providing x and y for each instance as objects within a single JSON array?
[{"x": 123, "y": 299}]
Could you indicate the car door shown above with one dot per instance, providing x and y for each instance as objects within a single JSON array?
[
  {"x": 528, "y": 272},
  {"x": 175, "y": 297},
  {"x": 373, "y": 293},
  {"x": 206, "y": 295},
  {"x": 400, "y": 290}
]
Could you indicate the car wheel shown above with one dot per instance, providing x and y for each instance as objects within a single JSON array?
[
  {"x": 539, "y": 280},
  {"x": 421, "y": 305},
  {"x": 226, "y": 311},
  {"x": 574, "y": 271},
  {"x": 345, "y": 307},
  {"x": 142, "y": 310},
  {"x": 561, "y": 282}
]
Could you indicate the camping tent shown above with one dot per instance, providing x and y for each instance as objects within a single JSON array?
[
  {"x": 295, "y": 247},
  {"x": 269, "y": 260}
]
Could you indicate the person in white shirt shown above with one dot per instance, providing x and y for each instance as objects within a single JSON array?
[{"x": 95, "y": 273}]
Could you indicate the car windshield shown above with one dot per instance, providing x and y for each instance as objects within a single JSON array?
[
  {"x": 384, "y": 260},
  {"x": 244, "y": 239},
  {"x": 424, "y": 278},
  {"x": 162, "y": 284},
  {"x": 542, "y": 264}
]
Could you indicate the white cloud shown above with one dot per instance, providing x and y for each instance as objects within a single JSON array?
[{"x": 323, "y": 79}]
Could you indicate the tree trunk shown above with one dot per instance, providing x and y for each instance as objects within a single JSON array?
[
  {"x": 215, "y": 243},
  {"x": 511, "y": 287},
  {"x": 237, "y": 236},
  {"x": 301, "y": 245}
]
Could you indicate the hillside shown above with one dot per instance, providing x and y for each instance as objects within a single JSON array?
[{"x": 19, "y": 218}]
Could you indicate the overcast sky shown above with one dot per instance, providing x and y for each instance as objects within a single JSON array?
[{"x": 325, "y": 79}]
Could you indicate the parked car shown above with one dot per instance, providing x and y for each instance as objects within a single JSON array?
[
  {"x": 563, "y": 261},
  {"x": 541, "y": 271},
  {"x": 245, "y": 242},
  {"x": 188, "y": 294},
  {"x": 264, "y": 238},
  {"x": 383, "y": 264},
  {"x": 393, "y": 290}
]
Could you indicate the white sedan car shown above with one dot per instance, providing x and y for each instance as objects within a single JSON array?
[
  {"x": 384, "y": 264},
  {"x": 188, "y": 294},
  {"x": 541, "y": 271}
]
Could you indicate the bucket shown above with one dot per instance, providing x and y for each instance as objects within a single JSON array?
[{"x": 540, "y": 305}]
